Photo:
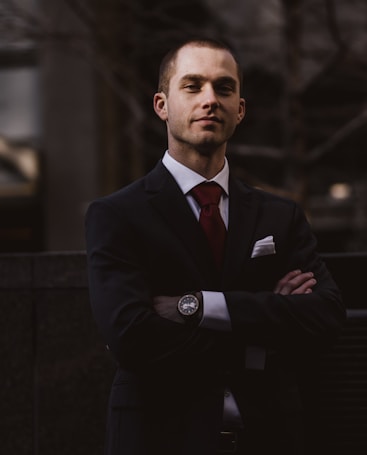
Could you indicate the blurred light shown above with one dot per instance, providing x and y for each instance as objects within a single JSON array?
[
  {"x": 340, "y": 191},
  {"x": 20, "y": 103}
]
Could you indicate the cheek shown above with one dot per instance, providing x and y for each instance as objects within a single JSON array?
[
  {"x": 236, "y": 116},
  {"x": 177, "y": 115}
]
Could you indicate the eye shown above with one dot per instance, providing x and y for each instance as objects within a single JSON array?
[
  {"x": 192, "y": 87},
  {"x": 225, "y": 89}
]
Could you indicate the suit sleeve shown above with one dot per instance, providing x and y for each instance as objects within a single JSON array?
[
  {"x": 267, "y": 319},
  {"x": 122, "y": 302}
]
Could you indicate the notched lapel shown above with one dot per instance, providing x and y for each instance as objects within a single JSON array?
[{"x": 167, "y": 198}]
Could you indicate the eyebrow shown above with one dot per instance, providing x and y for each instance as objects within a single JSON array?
[{"x": 191, "y": 78}]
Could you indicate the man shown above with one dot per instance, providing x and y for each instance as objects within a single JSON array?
[{"x": 208, "y": 335}]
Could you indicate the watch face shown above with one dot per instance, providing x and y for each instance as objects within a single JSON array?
[{"x": 188, "y": 305}]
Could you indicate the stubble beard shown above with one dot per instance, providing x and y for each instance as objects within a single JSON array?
[{"x": 205, "y": 146}]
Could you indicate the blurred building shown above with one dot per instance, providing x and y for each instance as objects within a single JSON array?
[
  {"x": 21, "y": 224},
  {"x": 48, "y": 135}
]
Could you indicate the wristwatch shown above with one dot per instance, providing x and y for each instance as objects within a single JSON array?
[{"x": 188, "y": 306}]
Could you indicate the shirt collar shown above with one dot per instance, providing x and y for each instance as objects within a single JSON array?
[{"x": 187, "y": 179}]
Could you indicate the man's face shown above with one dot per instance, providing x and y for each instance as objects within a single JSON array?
[{"x": 203, "y": 106}]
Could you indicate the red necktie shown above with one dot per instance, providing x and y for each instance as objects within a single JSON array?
[{"x": 208, "y": 195}]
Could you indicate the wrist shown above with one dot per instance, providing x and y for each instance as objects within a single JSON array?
[{"x": 190, "y": 307}]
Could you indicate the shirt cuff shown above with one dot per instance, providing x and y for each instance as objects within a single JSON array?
[{"x": 215, "y": 312}]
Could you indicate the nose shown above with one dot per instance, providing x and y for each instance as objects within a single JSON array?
[{"x": 210, "y": 99}]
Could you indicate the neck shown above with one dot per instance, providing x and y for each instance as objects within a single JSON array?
[{"x": 206, "y": 164}]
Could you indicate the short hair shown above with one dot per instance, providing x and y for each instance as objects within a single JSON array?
[{"x": 168, "y": 62}]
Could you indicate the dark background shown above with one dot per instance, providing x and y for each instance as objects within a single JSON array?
[{"x": 87, "y": 120}]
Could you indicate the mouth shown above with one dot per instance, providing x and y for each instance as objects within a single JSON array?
[{"x": 209, "y": 119}]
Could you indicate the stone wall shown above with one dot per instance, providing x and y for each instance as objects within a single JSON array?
[{"x": 55, "y": 373}]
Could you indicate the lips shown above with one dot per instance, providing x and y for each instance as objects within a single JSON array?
[{"x": 209, "y": 119}]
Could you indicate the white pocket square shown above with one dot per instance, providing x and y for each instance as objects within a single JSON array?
[{"x": 264, "y": 247}]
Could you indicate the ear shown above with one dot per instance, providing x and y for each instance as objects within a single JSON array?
[
  {"x": 160, "y": 105},
  {"x": 241, "y": 110}
]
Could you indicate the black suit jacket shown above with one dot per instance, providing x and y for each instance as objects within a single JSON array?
[{"x": 167, "y": 397}]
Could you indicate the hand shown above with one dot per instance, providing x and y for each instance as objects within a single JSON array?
[
  {"x": 166, "y": 307},
  {"x": 295, "y": 282}
]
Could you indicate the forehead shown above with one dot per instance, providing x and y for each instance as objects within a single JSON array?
[{"x": 206, "y": 61}]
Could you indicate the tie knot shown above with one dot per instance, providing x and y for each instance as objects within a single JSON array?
[{"x": 207, "y": 193}]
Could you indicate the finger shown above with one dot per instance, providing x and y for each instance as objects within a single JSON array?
[
  {"x": 283, "y": 281},
  {"x": 301, "y": 282},
  {"x": 300, "y": 279},
  {"x": 305, "y": 288}
]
